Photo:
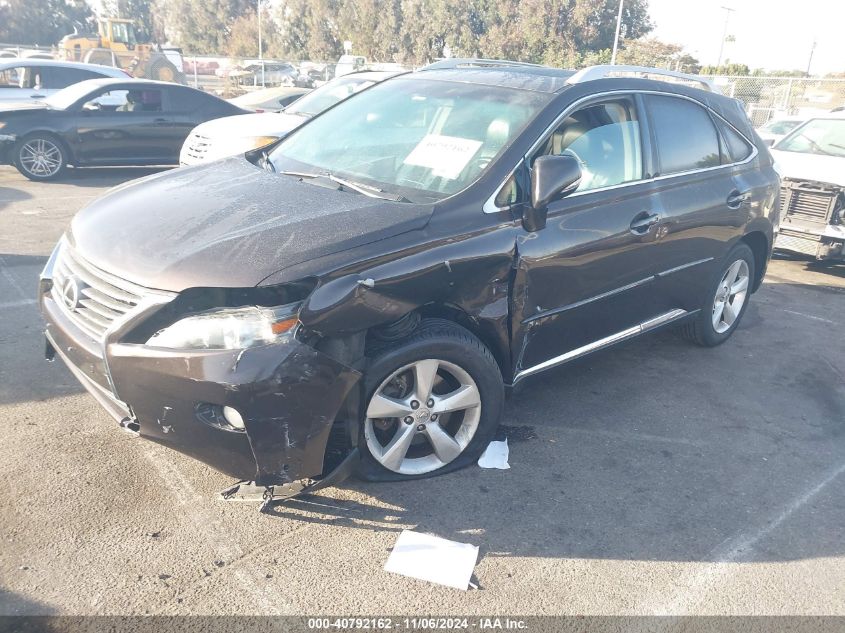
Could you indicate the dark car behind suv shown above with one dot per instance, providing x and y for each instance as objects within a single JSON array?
[{"x": 383, "y": 273}]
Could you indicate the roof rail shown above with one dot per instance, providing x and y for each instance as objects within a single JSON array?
[
  {"x": 601, "y": 72},
  {"x": 465, "y": 62}
]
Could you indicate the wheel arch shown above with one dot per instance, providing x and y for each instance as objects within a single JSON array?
[{"x": 760, "y": 246}]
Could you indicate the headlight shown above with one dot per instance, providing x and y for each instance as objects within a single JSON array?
[
  {"x": 2, "y": 124},
  {"x": 229, "y": 328}
]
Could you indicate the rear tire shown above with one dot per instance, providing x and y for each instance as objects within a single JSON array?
[
  {"x": 40, "y": 156},
  {"x": 447, "y": 383},
  {"x": 726, "y": 300}
]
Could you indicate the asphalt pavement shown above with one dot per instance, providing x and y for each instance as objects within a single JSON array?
[{"x": 653, "y": 478}]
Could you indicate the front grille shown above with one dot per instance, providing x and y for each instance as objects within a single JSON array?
[
  {"x": 91, "y": 298},
  {"x": 807, "y": 201},
  {"x": 197, "y": 147}
]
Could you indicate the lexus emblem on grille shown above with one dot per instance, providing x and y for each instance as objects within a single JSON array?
[{"x": 72, "y": 292}]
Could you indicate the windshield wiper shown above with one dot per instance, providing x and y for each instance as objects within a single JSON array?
[
  {"x": 816, "y": 147},
  {"x": 367, "y": 190}
]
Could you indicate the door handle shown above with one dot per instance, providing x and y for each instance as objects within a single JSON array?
[
  {"x": 642, "y": 222},
  {"x": 160, "y": 121},
  {"x": 737, "y": 198}
]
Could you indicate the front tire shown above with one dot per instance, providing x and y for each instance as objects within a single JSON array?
[
  {"x": 726, "y": 300},
  {"x": 433, "y": 403},
  {"x": 40, "y": 157}
]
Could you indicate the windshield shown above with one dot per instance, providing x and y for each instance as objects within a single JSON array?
[
  {"x": 423, "y": 139},
  {"x": 780, "y": 127},
  {"x": 326, "y": 96},
  {"x": 818, "y": 136},
  {"x": 66, "y": 97}
]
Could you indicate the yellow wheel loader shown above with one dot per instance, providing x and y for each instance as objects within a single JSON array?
[{"x": 117, "y": 44}]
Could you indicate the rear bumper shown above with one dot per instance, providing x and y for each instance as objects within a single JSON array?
[
  {"x": 819, "y": 241},
  {"x": 288, "y": 396}
]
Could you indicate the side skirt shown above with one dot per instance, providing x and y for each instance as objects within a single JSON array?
[{"x": 645, "y": 326}]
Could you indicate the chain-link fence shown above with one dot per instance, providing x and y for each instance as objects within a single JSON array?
[{"x": 768, "y": 98}]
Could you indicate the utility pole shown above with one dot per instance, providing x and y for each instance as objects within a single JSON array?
[
  {"x": 728, "y": 12},
  {"x": 616, "y": 37},
  {"x": 810, "y": 61}
]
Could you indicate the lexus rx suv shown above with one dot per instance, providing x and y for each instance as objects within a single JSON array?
[{"x": 374, "y": 281}]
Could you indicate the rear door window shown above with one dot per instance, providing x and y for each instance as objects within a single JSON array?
[
  {"x": 57, "y": 78},
  {"x": 685, "y": 134}
]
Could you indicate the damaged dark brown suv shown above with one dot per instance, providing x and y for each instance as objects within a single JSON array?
[{"x": 374, "y": 281}]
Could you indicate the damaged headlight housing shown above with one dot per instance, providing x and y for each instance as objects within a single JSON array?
[{"x": 229, "y": 328}]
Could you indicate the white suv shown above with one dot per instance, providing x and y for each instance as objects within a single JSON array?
[{"x": 812, "y": 205}]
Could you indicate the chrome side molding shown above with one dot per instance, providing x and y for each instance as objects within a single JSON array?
[{"x": 645, "y": 326}]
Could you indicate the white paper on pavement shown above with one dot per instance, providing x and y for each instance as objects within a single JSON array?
[
  {"x": 433, "y": 559},
  {"x": 495, "y": 456}
]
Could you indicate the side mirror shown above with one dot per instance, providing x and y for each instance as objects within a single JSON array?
[
  {"x": 769, "y": 141},
  {"x": 551, "y": 177}
]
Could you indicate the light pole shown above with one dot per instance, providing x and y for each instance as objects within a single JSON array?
[
  {"x": 616, "y": 37},
  {"x": 260, "y": 47},
  {"x": 728, "y": 12},
  {"x": 810, "y": 61}
]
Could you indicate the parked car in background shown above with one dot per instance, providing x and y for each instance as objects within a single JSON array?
[
  {"x": 238, "y": 134},
  {"x": 812, "y": 199},
  {"x": 386, "y": 270},
  {"x": 776, "y": 129},
  {"x": 25, "y": 79},
  {"x": 269, "y": 99},
  {"x": 104, "y": 122}
]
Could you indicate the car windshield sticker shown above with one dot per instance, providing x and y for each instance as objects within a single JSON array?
[{"x": 445, "y": 156}]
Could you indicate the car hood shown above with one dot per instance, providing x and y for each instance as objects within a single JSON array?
[
  {"x": 228, "y": 224},
  {"x": 259, "y": 124},
  {"x": 803, "y": 166},
  {"x": 22, "y": 106}
]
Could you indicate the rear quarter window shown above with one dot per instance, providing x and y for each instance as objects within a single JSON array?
[
  {"x": 685, "y": 135},
  {"x": 736, "y": 149}
]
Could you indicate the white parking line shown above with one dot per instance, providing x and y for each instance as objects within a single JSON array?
[
  {"x": 223, "y": 546},
  {"x": 17, "y": 304},
  {"x": 694, "y": 585},
  {"x": 77, "y": 197},
  {"x": 4, "y": 270},
  {"x": 810, "y": 316}
]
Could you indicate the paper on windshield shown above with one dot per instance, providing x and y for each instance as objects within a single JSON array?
[{"x": 445, "y": 156}]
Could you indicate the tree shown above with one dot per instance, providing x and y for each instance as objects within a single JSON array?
[
  {"x": 309, "y": 29},
  {"x": 726, "y": 69},
  {"x": 43, "y": 22},
  {"x": 243, "y": 39},
  {"x": 656, "y": 54},
  {"x": 203, "y": 26}
]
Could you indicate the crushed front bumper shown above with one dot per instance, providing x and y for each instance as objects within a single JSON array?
[
  {"x": 287, "y": 394},
  {"x": 819, "y": 241}
]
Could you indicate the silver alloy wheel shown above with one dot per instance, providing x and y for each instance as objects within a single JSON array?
[
  {"x": 730, "y": 296},
  {"x": 41, "y": 157},
  {"x": 422, "y": 417}
]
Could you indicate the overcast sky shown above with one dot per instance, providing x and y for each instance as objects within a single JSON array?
[{"x": 772, "y": 34}]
